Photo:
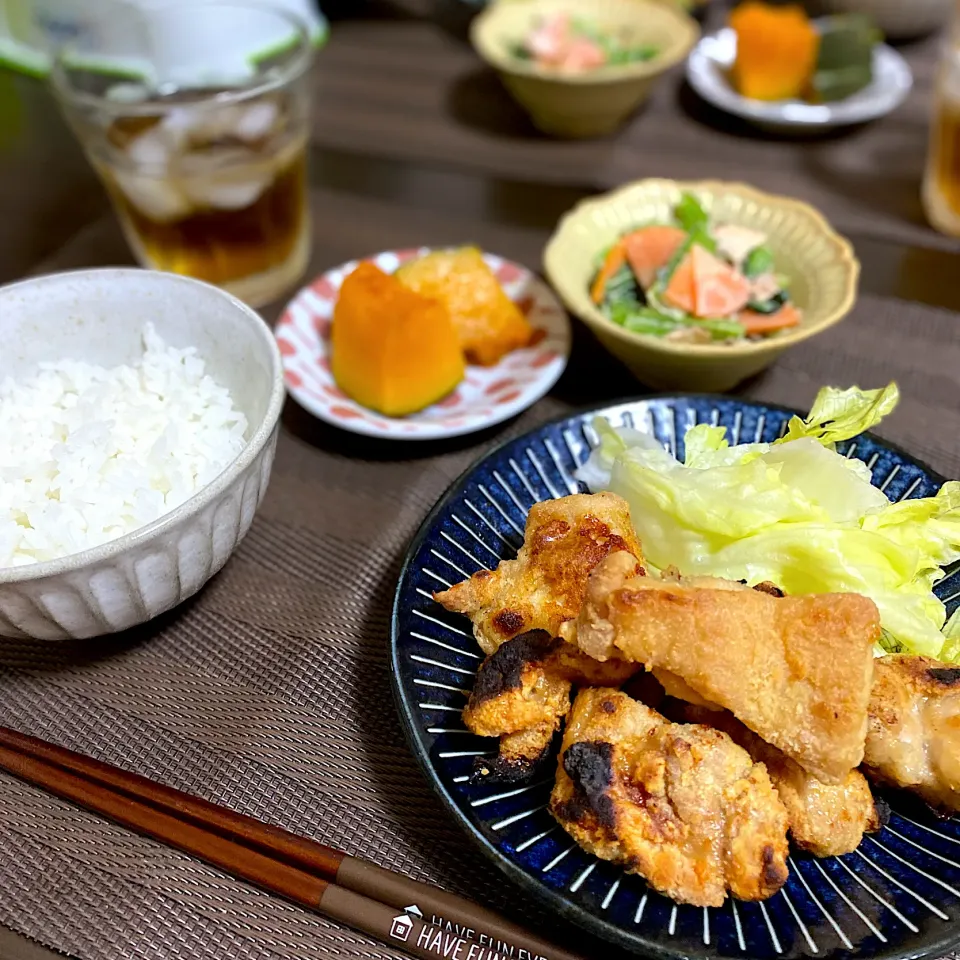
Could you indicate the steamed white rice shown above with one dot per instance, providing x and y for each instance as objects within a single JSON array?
[{"x": 88, "y": 454}]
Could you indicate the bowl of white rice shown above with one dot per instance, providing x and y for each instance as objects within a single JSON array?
[{"x": 138, "y": 421}]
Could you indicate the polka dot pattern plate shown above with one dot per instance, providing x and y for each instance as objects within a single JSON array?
[{"x": 486, "y": 396}]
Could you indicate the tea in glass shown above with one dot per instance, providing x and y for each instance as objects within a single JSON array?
[
  {"x": 208, "y": 179},
  {"x": 941, "y": 182}
]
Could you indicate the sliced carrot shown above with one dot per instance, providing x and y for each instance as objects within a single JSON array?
[
  {"x": 649, "y": 249},
  {"x": 759, "y": 323},
  {"x": 719, "y": 289},
  {"x": 583, "y": 54},
  {"x": 680, "y": 292},
  {"x": 615, "y": 259}
]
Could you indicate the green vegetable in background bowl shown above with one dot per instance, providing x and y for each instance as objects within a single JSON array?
[
  {"x": 693, "y": 281},
  {"x": 844, "y": 58},
  {"x": 561, "y": 41}
]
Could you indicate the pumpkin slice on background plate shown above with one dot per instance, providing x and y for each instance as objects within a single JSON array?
[{"x": 650, "y": 249}]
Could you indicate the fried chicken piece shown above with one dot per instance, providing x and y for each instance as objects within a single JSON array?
[
  {"x": 522, "y": 694},
  {"x": 796, "y": 670},
  {"x": 826, "y": 819},
  {"x": 680, "y": 804},
  {"x": 913, "y": 737},
  {"x": 564, "y": 540}
]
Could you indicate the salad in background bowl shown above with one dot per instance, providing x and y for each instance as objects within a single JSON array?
[
  {"x": 694, "y": 281},
  {"x": 580, "y": 68},
  {"x": 563, "y": 41},
  {"x": 719, "y": 325}
]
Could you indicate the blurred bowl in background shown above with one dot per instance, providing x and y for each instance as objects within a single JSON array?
[
  {"x": 818, "y": 263},
  {"x": 595, "y": 102},
  {"x": 898, "y": 19}
]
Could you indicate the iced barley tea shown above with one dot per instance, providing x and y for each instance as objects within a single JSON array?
[
  {"x": 941, "y": 181},
  {"x": 214, "y": 192}
]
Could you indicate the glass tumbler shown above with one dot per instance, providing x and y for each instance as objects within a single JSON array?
[{"x": 195, "y": 115}]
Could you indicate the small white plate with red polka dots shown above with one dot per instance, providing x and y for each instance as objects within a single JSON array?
[{"x": 486, "y": 395}]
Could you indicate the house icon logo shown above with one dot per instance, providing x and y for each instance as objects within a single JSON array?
[{"x": 401, "y": 927}]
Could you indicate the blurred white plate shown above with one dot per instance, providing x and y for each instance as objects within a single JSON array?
[{"x": 713, "y": 56}]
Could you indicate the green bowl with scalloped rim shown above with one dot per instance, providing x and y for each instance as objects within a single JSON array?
[
  {"x": 595, "y": 102},
  {"x": 820, "y": 266}
]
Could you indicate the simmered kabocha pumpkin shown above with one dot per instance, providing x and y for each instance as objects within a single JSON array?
[
  {"x": 394, "y": 350},
  {"x": 776, "y": 50},
  {"x": 489, "y": 323}
]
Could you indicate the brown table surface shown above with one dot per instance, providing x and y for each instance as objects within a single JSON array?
[{"x": 415, "y": 143}]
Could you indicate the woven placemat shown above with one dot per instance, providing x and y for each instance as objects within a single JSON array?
[{"x": 270, "y": 692}]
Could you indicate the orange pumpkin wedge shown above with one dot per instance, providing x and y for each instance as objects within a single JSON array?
[
  {"x": 488, "y": 322},
  {"x": 650, "y": 249},
  {"x": 394, "y": 350},
  {"x": 719, "y": 289},
  {"x": 614, "y": 260},
  {"x": 758, "y": 324}
]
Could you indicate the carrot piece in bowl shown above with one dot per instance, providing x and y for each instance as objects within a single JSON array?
[
  {"x": 680, "y": 291},
  {"x": 719, "y": 289},
  {"x": 614, "y": 260},
  {"x": 650, "y": 249},
  {"x": 757, "y": 324}
]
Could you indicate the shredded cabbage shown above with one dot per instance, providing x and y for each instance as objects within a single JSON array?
[{"x": 794, "y": 512}]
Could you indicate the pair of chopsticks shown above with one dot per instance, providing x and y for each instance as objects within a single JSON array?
[{"x": 414, "y": 917}]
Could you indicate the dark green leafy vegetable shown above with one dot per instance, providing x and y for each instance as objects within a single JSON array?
[
  {"x": 616, "y": 51},
  {"x": 690, "y": 214},
  {"x": 640, "y": 319},
  {"x": 622, "y": 287},
  {"x": 722, "y": 329},
  {"x": 772, "y": 305},
  {"x": 844, "y": 59},
  {"x": 617, "y": 56},
  {"x": 758, "y": 261}
]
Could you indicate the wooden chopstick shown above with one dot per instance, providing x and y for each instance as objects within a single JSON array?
[{"x": 359, "y": 894}]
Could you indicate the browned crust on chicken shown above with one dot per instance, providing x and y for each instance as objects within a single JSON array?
[
  {"x": 564, "y": 540},
  {"x": 522, "y": 694},
  {"x": 796, "y": 670},
  {"x": 913, "y": 737},
  {"x": 680, "y": 804},
  {"x": 825, "y": 819}
]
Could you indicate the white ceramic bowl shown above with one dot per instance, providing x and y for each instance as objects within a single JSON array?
[{"x": 98, "y": 316}]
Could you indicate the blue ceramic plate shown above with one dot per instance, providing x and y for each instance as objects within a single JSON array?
[{"x": 897, "y": 896}]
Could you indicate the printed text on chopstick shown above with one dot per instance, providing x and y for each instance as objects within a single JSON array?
[{"x": 450, "y": 940}]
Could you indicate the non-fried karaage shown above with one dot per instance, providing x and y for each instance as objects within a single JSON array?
[
  {"x": 544, "y": 587},
  {"x": 680, "y": 804},
  {"x": 522, "y": 694},
  {"x": 826, "y": 819},
  {"x": 796, "y": 670},
  {"x": 913, "y": 736}
]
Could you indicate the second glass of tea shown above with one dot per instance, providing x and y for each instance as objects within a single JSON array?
[{"x": 195, "y": 115}]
